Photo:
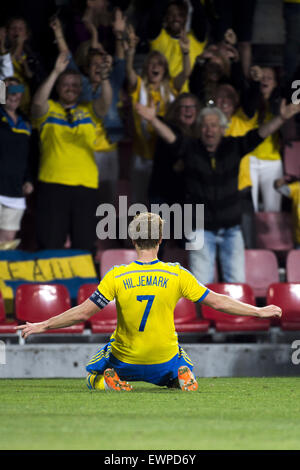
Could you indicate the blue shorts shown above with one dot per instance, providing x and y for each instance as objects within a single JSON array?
[{"x": 158, "y": 374}]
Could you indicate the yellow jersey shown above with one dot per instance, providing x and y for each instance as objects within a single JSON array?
[
  {"x": 146, "y": 295},
  {"x": 170, "y": 48},
  {"x": 67, "y": 145}
]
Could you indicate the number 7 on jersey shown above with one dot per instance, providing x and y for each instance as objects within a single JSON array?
[{"x": 149, "y": 299}]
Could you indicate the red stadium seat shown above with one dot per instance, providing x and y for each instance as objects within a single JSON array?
[
  {"x": 85, "y": 291},
  {"x": 111, "y": 258},
  {"x": 105, "y": 321},
  {"x": 185, "y": 318},
  {"x": 292, "y": 159},
  {"x": 227, "y": 323},
  {"x": 38, "y": 302},
  {"x": 293, "y": 266},
  {"x": 287, "y": 296},
  {"x": 6, "y": 326},
  {"x": 103, "y": 245},
  {"x": 261, "y": 270},
  {"x": 274, "y": 231}
]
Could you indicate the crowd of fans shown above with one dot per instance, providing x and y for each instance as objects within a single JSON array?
[{"x": 76, "y": 90}]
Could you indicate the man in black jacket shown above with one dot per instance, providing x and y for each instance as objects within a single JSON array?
[{"x": 211, "y": 178}]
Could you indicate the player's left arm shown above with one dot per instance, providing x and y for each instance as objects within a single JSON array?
[
  {"x": 227, "y": 304},
  {"x": 78, "y": 314}
]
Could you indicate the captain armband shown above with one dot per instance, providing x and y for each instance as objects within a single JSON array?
[{"x": 99, "y": 299}]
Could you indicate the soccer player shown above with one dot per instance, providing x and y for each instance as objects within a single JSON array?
[{"x": 144, "y": 346}]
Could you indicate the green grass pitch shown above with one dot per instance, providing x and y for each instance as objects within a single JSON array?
[{"x": 225, "y": 413}]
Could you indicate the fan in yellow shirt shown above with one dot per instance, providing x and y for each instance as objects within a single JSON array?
[
  {"x": 68, "y": 174},
  {"x": 168, "y": 39}
]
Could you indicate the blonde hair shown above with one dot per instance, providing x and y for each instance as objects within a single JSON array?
[
  {"x": 166, "y": 77},
  {"x": 146, "y": 230}
]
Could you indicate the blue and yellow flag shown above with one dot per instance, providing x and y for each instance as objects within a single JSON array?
[{"x": 69, "y": 267}]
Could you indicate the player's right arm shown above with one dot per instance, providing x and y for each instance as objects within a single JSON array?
[
  {"x": 226, "y": 304},
  {"x": 74, "y": 315},
  {"x": 78, "y": 314}
]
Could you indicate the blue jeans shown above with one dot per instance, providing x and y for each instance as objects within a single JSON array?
[{"x": 230, "y": 245}]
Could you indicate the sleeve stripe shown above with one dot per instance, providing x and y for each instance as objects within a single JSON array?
[
  {"x": 99, "y": 299},
  {"x": 203, "y": 296}
]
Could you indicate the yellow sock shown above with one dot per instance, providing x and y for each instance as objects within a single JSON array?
[{"x": 95, "y": 382}]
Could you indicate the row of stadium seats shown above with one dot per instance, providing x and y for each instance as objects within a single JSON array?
[
  {"x": 38, "y": 302},
  {"x": 262, "y": 268}
]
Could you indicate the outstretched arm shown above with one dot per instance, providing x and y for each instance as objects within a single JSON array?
[
  {"x": 148, "y": 113},
  {"x": 286, "y": 112},
  {"x": 78, "y": 314},
  {"x": 227, "y": 304}
]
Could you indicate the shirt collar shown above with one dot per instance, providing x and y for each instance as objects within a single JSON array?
[{"x": 150, "y": 262}]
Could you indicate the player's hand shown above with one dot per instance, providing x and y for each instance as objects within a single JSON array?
[
  {"x": 270, "y": 311},
  {"x": 31, "y": 328}
]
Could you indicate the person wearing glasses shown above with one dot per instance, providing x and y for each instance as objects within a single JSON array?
[{"x": 68, "y": 174}]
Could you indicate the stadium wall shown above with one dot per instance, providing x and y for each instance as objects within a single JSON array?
[{"x": 217, "y": 360}]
